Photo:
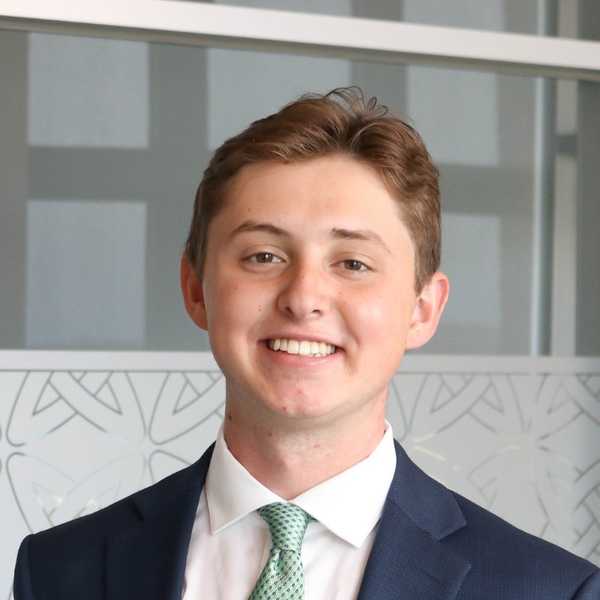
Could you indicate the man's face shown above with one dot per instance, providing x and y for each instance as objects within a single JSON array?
[{"x": 309, "y": 251}]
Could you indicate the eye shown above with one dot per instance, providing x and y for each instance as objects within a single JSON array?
[
  {"x": 263, "y": 258},
  {"x": 355, "y": 265}
]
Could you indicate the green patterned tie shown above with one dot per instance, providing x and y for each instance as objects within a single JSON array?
[{"x": 283, "y": 575}]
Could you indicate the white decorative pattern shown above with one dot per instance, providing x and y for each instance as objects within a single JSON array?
[
  {"x": 518, "y": 436},
  {"x": 526, "y": 447}
]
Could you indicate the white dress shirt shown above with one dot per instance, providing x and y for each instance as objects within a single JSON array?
[{"x": 230, "y": 542}]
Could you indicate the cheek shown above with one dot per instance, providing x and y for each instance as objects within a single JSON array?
[
  {"x": 235, "y": 305},
  {"x": 381, "y": 318},
  {"x": 369, "y": 316}
]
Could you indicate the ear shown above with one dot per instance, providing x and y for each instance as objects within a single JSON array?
[
  {"x": 193, "y": 294},
  {"x": 428, "y": 310}
]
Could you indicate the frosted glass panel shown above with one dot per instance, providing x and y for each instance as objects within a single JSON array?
[
  {"x": 517, "y": 436},
  {"x": 462, "y": 129},
  {"x": 230, "y": 71},
  {"x": 462, "y": 13},
  {"x": 468, "y": 304},
  {"x": 85, "y": 274},
  {"x": 87, "y": 92}
]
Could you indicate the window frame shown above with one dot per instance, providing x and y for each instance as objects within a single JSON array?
[{"x": 352, "y": 38}]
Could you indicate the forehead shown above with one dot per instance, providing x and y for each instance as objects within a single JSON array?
[
  {"x": 334, "y": 187},
  {"x": 334, "y": 199},
  {"x": 320, "y": 169}
]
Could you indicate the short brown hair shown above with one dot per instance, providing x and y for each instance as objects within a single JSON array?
[{"x": 341, "y": 122}]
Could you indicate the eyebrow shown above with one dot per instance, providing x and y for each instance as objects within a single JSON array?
[{"x": 338, "y": 233}]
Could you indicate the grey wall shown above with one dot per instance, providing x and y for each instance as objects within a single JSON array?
[
  {"x": 588, "y": 203},
  {"x": 120, "y": 132}
]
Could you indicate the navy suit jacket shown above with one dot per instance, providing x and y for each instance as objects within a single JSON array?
[{"x": 432, "y": 544}]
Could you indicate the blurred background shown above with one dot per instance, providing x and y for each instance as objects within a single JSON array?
[{"x": 104, "y": 137}]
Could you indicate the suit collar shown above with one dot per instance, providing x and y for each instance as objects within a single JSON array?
[
  {"x": 147, "y": 560},
  {"x": 155, "y": 499},
  {"x": 409, "y": 558},
  {"x": 430, "y": 505}
]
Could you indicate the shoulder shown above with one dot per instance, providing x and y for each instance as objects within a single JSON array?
[
  {"x": 111, "y": 520},
  {"x": 76, "y": 549},
  {"x": 499, "y": 554},
  {"x": 496, "y": 547}
]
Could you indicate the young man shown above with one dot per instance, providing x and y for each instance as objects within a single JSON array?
[{"x": 312, "y": 262}]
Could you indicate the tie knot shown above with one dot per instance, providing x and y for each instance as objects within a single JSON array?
[{"x": 287, "y": 523}]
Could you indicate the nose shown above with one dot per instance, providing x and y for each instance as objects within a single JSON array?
[{"x": 306, "y": 293}]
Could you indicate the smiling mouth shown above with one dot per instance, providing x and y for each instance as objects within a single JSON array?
[{"x": 301, "y": 347}]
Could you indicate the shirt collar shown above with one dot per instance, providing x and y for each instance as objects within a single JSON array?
[
  {"x": 231, "y": 492},
  {"x": 348, "y": 504}
]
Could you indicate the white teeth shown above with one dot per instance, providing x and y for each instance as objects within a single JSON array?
[{"x": 303, "y": 347}]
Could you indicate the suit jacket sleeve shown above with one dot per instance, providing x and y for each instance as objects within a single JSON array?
[
  {"x": 590, "y": 590},
  {"x": 22, "y": 582}
]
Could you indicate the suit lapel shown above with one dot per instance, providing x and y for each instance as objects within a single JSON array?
[
  {"x": 147, "y": 561},
  {"x": 408, "y": 559}
]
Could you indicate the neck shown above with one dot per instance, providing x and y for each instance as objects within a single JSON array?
[{"x": 292, "y": 459}]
